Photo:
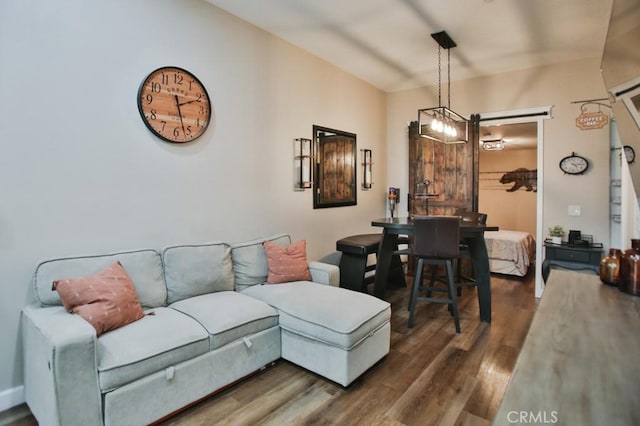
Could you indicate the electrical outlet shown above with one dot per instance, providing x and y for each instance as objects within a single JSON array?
[{"x": 574, "y": 211}]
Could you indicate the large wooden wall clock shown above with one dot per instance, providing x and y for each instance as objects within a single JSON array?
[{"x": 174, "y": 105}]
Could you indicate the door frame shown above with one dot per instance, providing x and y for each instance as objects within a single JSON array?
[{"x": 529, "y": 115}]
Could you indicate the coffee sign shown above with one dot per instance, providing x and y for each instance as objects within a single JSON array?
[{"x": 592, "y": 120}]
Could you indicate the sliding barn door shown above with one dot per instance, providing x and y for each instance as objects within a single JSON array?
[{"x": 443, "y": 179}]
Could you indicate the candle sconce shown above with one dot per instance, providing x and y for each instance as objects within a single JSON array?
[
  {"x": 303, "y": 160},
  {"x": 367, "y": 172}
]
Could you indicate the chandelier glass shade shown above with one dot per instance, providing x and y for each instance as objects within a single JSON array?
[{"x": 441, "y": 123}]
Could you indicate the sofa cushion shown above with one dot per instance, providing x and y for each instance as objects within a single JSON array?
[
  {"x": 163, "y": 338},
  {"x": 143, "y": 266},
  {"x": 333, "y": 315},
  {"x": 107, "y": 300},
  {"x": 286, "y": 264},
  {"x": 250, "y": 261},
  {"x": 192, "y": 270},
  {"x": 228, "y": 316}
]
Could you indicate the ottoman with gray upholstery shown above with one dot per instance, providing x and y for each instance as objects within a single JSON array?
[{"x": 331, "y": 331}]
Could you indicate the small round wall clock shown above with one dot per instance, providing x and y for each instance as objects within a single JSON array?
[
  {"x": 574, "y": 164},
  {"x": 629, "y": 153},
  {"x": 174, "y": 105}
]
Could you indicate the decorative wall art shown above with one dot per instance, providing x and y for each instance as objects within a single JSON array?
[
  {"x": 519, "y": 178},
  {"x": 334, "y": 181}
]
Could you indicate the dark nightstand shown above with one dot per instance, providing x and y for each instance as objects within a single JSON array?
[{"x": 571, "y": 257}]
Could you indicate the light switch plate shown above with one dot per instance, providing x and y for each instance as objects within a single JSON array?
[{"x": 574, "y": 211}]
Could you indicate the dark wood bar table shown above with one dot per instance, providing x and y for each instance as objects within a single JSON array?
[{"x": 473, "y": 234}]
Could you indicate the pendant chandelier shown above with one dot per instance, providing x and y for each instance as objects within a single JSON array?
[{"x": 441, "y": 124}]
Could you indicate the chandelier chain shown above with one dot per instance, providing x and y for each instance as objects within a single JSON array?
[
  {"x": 439, "y": 78},
  {"x": 449, "y": 78}
]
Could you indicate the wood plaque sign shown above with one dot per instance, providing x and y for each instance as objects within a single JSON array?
[{"x": 592, "y": 120}]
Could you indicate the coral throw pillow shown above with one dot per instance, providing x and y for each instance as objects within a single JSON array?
[
  {"x": 107, "y": 300},
  {"x": 287, "y": 264}
]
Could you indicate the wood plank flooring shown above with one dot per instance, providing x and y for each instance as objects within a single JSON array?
[{"x": 430, "y": 377}]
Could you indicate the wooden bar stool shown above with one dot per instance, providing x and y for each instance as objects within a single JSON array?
[
  {"x": 436, "y": 241},
  {"x": 461, "y": 280},
  {"x": 355, "y": 273},
  {"x": 353, "y": 262}
]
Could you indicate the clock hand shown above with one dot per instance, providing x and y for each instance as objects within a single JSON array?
[
  {"x": 180, "y": 114},
  {"x": 188, "y": 102}
]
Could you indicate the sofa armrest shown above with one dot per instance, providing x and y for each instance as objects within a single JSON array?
[
  {"x": 60, "y": 367},
  {"x": 324, "y": 273}
]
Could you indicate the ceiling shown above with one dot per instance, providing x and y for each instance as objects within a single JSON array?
[{"x": 388, "y": 44}]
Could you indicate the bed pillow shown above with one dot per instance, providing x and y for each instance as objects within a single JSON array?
[
  {"x": 107, "y": 300},
  {"x": 287, "y": 264}
]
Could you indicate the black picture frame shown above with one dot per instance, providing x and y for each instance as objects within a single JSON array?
[{"x": 334, "y": 182}]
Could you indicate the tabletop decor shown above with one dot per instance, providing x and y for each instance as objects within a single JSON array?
[
  {"x": 556, "y": 233},
  {"x": 630, "y": 269},
  {"x": 610, "y": 267},
  {"x": 394, "y": 199}
]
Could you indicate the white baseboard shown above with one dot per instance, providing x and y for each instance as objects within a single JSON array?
[{"x": 11, "y": 397}]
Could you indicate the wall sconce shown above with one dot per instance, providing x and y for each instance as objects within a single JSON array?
[
  {"x": 302, "y": 161},
  {"x": 367, "y": 172}
]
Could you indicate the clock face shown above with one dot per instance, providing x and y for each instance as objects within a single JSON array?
[
  {"x": 629, "y": 153},
  {"x": 574, "y": 164},
  {"x": 174, "y": 105}
]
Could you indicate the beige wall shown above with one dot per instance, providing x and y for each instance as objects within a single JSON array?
[
  {"x": 515, "y": 211},
  {"x": 81, "y": 174},
  {"x": 557, "y": 86}
]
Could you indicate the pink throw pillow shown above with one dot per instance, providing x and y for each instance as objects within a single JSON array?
[
  {"x": 107, "y": 300},
  {"x": 287, "y": 264}
]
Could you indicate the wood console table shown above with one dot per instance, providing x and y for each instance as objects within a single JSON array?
[
  {"x": 570, "y": 257},
  {"x": 580, "y": 361}
]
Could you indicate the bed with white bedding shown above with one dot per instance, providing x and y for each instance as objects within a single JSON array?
[{"x": 510, "y": 252}]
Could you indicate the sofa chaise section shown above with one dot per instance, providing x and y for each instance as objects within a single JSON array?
[
  {"x": 335, "y": 332},
  {"x": 332, "y": 331}
]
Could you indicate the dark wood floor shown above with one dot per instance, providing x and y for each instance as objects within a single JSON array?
[{"x": 430, "y": 377}]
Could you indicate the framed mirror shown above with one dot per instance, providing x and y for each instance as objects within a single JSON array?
[{"x": 334, "y": 183}]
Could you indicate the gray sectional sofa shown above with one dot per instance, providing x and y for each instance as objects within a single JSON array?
[{"x": 213, "y": 323}]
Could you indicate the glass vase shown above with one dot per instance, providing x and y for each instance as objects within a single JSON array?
[
  {"x": 610, "y": 267},
  {"x": 630, "y": 269}
]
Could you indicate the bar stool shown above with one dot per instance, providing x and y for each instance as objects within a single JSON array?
[
  {"x": 353, "y": 262},
  {"x": 464, "y": 281},
  {"x": 436, "y": 241},
  {"x": 355, "y": 273}
]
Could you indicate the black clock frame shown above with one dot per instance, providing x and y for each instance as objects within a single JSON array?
[
  {"x": 633, "y": 153},
  {"x": 573, "y": 155}
]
